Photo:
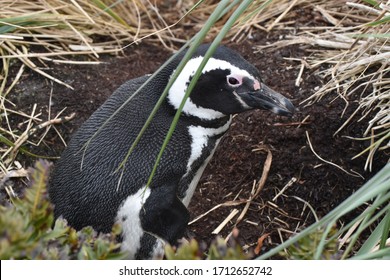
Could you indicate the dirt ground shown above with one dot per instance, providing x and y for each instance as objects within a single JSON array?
[{"x": 238, "y": 161}]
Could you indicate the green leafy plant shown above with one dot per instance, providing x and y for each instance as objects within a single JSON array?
[
  {"x": 26, "y": 230},
  {"x": 305, "y": 248},
  {"x": 218, "y": 250}
]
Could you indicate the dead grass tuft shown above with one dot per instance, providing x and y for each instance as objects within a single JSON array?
[{"x": 356, "y": 47}]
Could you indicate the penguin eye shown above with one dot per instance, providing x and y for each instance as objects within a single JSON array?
[{"x": 232, "y": 81}]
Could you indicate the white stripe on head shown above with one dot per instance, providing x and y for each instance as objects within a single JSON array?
[{"x": 179, "y": 87}]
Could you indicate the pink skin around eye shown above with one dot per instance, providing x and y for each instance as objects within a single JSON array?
[
  {"x": 238, "y": 78},
  {"x": 256, "y": 85}
]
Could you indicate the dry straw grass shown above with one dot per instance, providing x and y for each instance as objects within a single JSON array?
[
  {"x": 61, "y": 29},
  {"x": 73, "y": 32},
  {"x": 356, "y": 47}
]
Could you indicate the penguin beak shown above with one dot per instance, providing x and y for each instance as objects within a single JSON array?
[{"x": 268, "y": 99}]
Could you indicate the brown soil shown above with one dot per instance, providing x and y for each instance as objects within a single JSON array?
[{"x": 236, "y": 165}]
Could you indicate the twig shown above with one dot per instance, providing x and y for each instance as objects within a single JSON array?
[
  {"x": 248, "y": 203},
  {"x": 23, "y": 138},
  {"x": 298, "y": 80},
  {"x": 377, "y": 247},
  {"x": 363, "y": 7},
  {"x": 351, "y": 230},
  {"x": 223, "y": 224},
  {"x": 327, "y": 16},
  {"x": 304, "y": 121},
  {"x": 308, "y": 205},
  {"x": 83, "y": 11},
  {"x": 277, "y": 208},
  {"x": 257, "y": 187},
  {"x": 282, "y": 15},
  {"x": 19, "y": 173},
  {"x": 326, "y": 161},
  {"x": 289, "y": 184},
  {"x": 225, "y": 204},
  {"x": 378, "y": 58},
  {"x": 12, "y": 49}
]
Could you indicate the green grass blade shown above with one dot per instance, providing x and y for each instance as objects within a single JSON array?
[
  {"x": 372, "y": 241},
  {"x": 376, "y": 35},
  {"x": 380, "y": 254},
  {"x": 379, "y": 22},
  {"x": 368, "y": 219},
  {"x": 322, "y": 243},
  {"x": 385, "y": 231},
  {"x": 372, "y": 2},
  {"x": 22, "y": 149},
  {"x": 110, "y": 12}
]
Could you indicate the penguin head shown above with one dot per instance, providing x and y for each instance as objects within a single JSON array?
[{"x": 228, "y": 84}]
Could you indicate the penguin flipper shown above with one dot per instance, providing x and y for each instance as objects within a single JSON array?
[{"x": 164, "y": 215}]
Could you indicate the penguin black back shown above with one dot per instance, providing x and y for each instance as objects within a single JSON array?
[{"x": 84, "y": 185}]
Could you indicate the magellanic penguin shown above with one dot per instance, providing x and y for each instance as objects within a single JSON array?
[{"x": 84, "y": 185}]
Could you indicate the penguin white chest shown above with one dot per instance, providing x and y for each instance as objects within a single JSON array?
[{"x": 200, "y": 137}]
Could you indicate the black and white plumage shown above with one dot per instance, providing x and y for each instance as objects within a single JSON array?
[{"x": 90, "y": 196}]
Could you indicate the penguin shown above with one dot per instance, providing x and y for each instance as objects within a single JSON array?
[{"x": 84, "y": 185}]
